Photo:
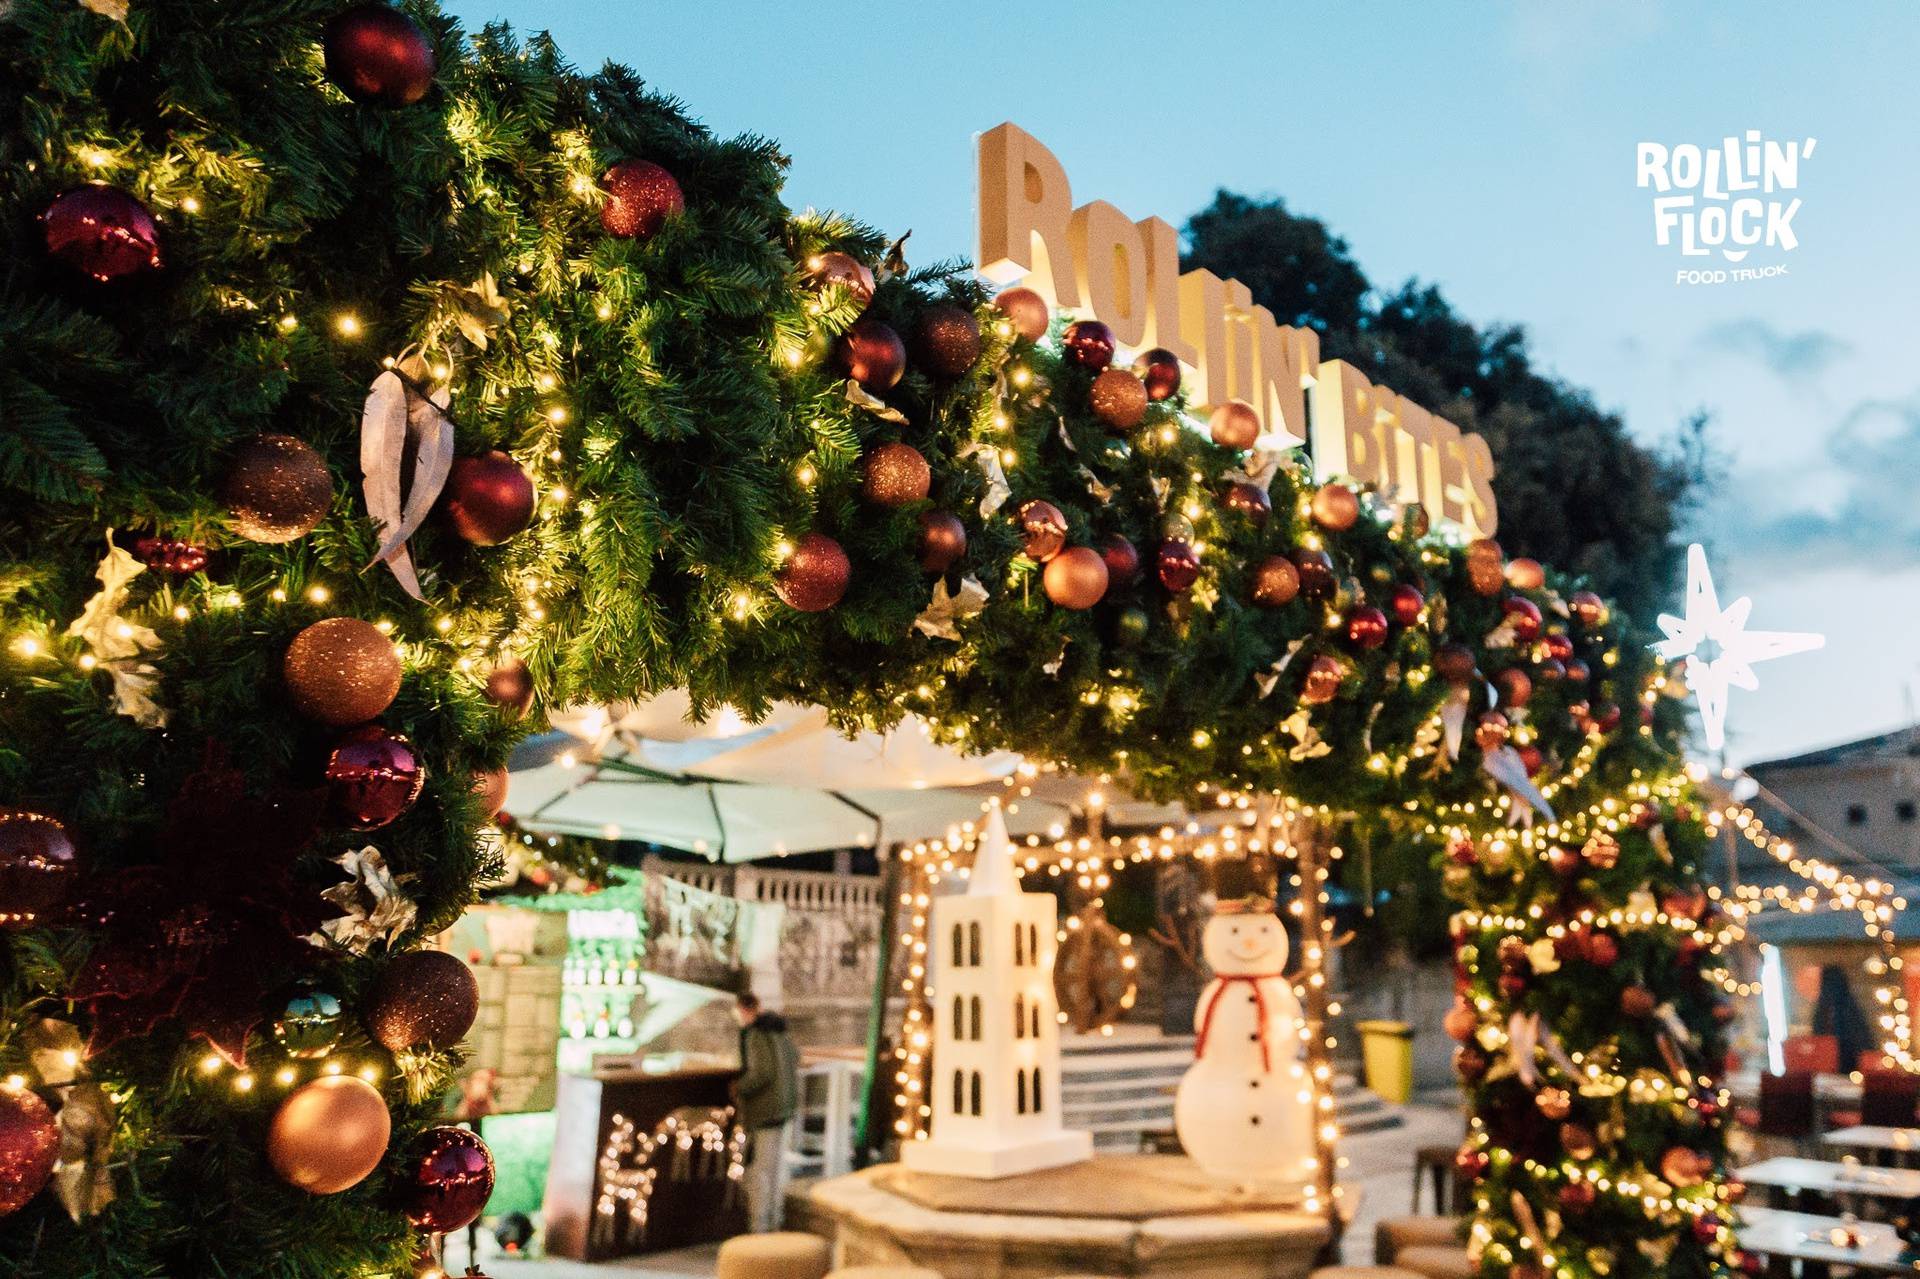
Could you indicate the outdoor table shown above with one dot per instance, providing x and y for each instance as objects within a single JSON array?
[
  {"x": 1820, "y": 1176},
  {"x": 1786, "y": 1237},
  {"x": 1875, "y": 1139}
]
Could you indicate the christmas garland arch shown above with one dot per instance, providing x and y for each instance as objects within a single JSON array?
[{"x": 367, "y": 387}]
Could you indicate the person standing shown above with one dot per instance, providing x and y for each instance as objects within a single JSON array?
[{"x": 766, "y": 1095}]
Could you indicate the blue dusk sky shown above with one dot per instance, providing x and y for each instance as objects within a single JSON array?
[{"x": 1485, "y": 147}]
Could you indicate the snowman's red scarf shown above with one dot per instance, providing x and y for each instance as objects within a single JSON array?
[{"x": 1260, "y": 1006}]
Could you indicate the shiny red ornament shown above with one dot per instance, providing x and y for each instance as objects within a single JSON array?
[
  {"x": 1234, "y": 425},
  {"x": 103, "y": 233},
  {"x": 1578, "y": 1141},
  {"x": 1472, "y": 1163},
  {"x": 948, "y": 341},
  {"x": 1577, "y": 1196},
  {"x": 1043, "y": 529},
  {"x": 1122, "y": 557},
  {"x": 1588, "y": 609},
  {"x": 376, "y": 55},
  {"x": 487, "y": 499},
  {"x": 1159, "y": 368},
  {"x": 510, "y": 686},
  {"x": 872, "y": 354},
  {"x": 29, "y": 1146},
  {"x": 1250, "y": 500},
  {"x": 641, "y": 196},
  {"x": 373, "y": 776},
  {"x": 1637, "y": 1001},
  {"x": 1276, "y": 582},
  {"x": 1471, "y": 1064},
  {"x": 1454, "y": 663},
  {"x": 943, "y": 540},
  {"x": 1027, "y": 311},
  {"x": 1559, "y": 647},
  {"x": 1531, "y": 759},
  {"x": 38, "y": 866},
  {"x": 1335, "y": 507},
  {"x": 815, "y": 576},
  {"x": 171, "y": 555},
  {"x": 1601, "y": 950},
  {"x": 1511, "y": 985},
  {"x": 843, "y": 269},
  {"x": 1177, "y": 565},
  {"x": 1523, "y": 617},
  {"x": 1088, "y": 343},
  {"x": 1366, "y": 627},
  {"x": 1076, "y": 578},
  {"x": 1550, "y": 671},
  {"x": 1706, "y": 1229},
  {"x": 1322, "y": 684},
  {"x": 1405, "y": 603},
  {"x": 895, "y": 475},
  {"x": 1515, "y": 689},
  {"x": 1525, "y": 574},
  {"x": 1463, "y": 853},
  {"x": 1566, "y": 862},
  {"x": 447, "y": 1179},
  {"x": 1316, "y": 572},
  {"x": 1578, "y": 672}
]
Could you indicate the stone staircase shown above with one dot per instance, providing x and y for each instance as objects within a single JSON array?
[{"x": 1120, "y": 1088}]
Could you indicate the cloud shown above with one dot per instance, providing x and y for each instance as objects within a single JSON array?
[
  {"x": 1871, "y": 486},
  {"x": 1805, "y": 354}
]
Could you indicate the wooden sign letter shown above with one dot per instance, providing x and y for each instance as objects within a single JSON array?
[{"x": 1025, "y": 206}]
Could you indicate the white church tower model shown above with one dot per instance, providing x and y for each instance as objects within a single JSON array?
[{"x": 995, "y": 1086}]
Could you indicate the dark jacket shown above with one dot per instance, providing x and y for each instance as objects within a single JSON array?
[{"x": 768, "y": 1090}]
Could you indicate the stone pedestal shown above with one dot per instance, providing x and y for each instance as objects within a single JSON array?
[{"x": 1155, "y": 1215}]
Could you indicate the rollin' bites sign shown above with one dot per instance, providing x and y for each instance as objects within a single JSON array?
[{"x": 1093, "y": 260}]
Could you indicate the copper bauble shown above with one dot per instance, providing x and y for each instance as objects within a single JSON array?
[
  {"x": 1555, "y": 1103},
  {"x": 895, "y": 475},
  {"x": 1523, "y": 617},
  {"x": 29, "y": 1146},
  {"x": 843, "y": 269},
  {"x": 1578, "y": 1141},
  {"x": 641, "y": 196},
  {"x": 872, "y": 354},
  {"x": 103, "y": 233},
  {"x": 1588, "y": 609},
  {"x": 341, "y": 671},
  {"x": 1177, "y": 564},
  {"x": 1119, "y": 399},
  {"x": 1637, "y": 1001},
  {"x": 1076, "y": 578},
  {"x": 815, "y": 575},
  {"x": 373, "y": 776},
  {"x": 277, "y": 489},
  {"x": 1122, "y": 557},
  {"x": 1234, "y": 425},
  {"x": 1486, "y": 566},
  {"x": 1335, "y": 507},
  {"x": 38, "y": 866},
  {"x": 1514, "y": 688},
  {"x": 376, "y": 55},
  {"x": 1525, "y": 574},
  {"x": 447, "y": 1179},
  {"x": 1043, "y": 529},
  {"x": 1406, "y": 604},
  {"x": 1532, "y": 758},
  {"x": 943, "y": 540},
  {"x": 1275, "y": 582},
  {"x": 329, "y": 1134},
  {"x": 1027, "y": 311},
  {"x": 1454, "y": 663},
  {"x": 947, "y": 343},
  {"x": 1460, "y": 1022},
  {"x": 1490, "y": 734},
  {"x": 488, "y": 499},
  {"x": 1250, "y": 500},
  {"x": 491, "y": 785},
  {"x": 424, "y": 998},
  {"x": 1159, "y": 369},
  {"x": 1089, "y": 344},
  {"x": 1323, "y": 681},
  {"x": 1682, "y": 1168},
  {"x": 1316, "y": 572},
  {"x": 510, "y": 685},
  {"x": 1366, "y": 627}
]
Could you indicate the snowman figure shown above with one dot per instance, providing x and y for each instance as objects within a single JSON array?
[{"x": 1244, "y": 1111}]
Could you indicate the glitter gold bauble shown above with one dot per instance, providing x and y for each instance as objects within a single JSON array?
[
  {"x": 424, "y": 998},
  {"x": 641, "y": 196},
  {"x": 1275, "y": 582},
  {"x": 895, "y": 476},
  {"x": 1076, "y": 578},
  {"x": 277, "y": 489},
  {"x": 341, "y": 671},
  {"x": 1119, "y": 399},
  {"x": 815, "y": 576},
  {"x": 948, "y": 341}
]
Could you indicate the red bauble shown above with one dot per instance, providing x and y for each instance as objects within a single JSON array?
[
  {"x": 1316, "y": 572},
  {"x": 1250, "y": 500},
  {"x": 872, "y": 354},
  {"x": 1160, "y": 370},
  {"x": 1043, "y": 529},
  {"x": 103, "y": 233},
  {"x": 510, "y": 686},
  {"x": 1335, "y": 507},
  {"x": 424, "y": 997},
  {"x": 948, "y": 342},
  {"x": 1511, "y": 985},
  {"x": 1076, "y": 578},
  {"x": 1566, "y": 862},
  {"x": 447, "y": 1180},
  {"x": 1405, "y": 603},
  {"x": 1531, "y": 759},
  {"x": 1471, "y": 1064},
  {"x": 1606, "y": 717},
  {"x": 1276, "y": 582},
  {"x": 38, "y": 864},
  {"x": 1177, "y": 565},
  {"x": 1322, "y": 684},
  {"x": 850, "y": 273},
  {"x": 377, "y": 55},
  {"x": 1491, "y": 732},
  {"x": 1578, "y": 1141},
  {"x": 1118, "y": 399},
  {"x": 895, "y": 476},
  {"x": 1454, "y": 663},
  {"x": 1601, "y": 950},
  {"x": 1637, "y": 1001},
  {"x": 1706, "y": 1229},
  {"x": 488, "y": 499},
  {"x": 1234, "y": 425},
  {"x": 1472, "y": 1163},
  {"x": 1089, "y": 344},
  {"x": 171, "y": 555},
  {"x": 815, "y": 576},
  {"x": 943, "y": 540},
  {"x": 1577, "y": 1196},
  {"x": 1515, "y": 689},
  {"x": 341, "y": 671},
  {"x": 1558, "y": 646},
  {"x": 1523, "y": 616},
  {"x": 1588, "y": 609},
  {"x": 641, "y": 196},
  {"x": 1578, "y": 672},
  {"x": 29, "y": 1145},
  {"x": 1366, "y": 627},
  {"x": 1122, "y": 557},
  {"x": 1551, "y": 672},
  {"x": 373, "y": 776},
  {"x": 1028, "y": 312}
]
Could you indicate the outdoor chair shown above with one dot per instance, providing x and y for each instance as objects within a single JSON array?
[
  {"x": 1887, "y": 1098},
  {"x": 782, "y": 1255},
  {"x": 1784, "y": 1122},
  {"x": 1436, "y": 1161},
  {"x": 1437, "y": 1263},
  {"x": 1395, "y": 1235},
  {"x": 1814, "y": 1054}
]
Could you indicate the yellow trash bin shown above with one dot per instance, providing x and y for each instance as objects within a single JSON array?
[{"x": 1386, "y": 1049}]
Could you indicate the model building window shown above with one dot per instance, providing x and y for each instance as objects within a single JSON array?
[
  {"x": 959, "y": 947},
  {"x": 1036, "y": 1090},
  {"x": 1019, "y": 1016},
  {"x": 1033, "y": 941},
  {"x": 959, "y": 1092},
  {"x": 973, "y": 944},
  {"x": 974, "y": 1091},
  {"x": 1904, "y": 810},
  {"x": 959, "y": 1019},
  {"x": 1856, "y": 814},
  {"x": 976, "y": 1018},
  {"x": 1036, "y": 1019},
  {"x": 1020, "y": 1092},
  {"x": 1019, "y": 946}
]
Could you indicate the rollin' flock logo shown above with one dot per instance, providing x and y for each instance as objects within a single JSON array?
[{"x": 1726, "y": 200}]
